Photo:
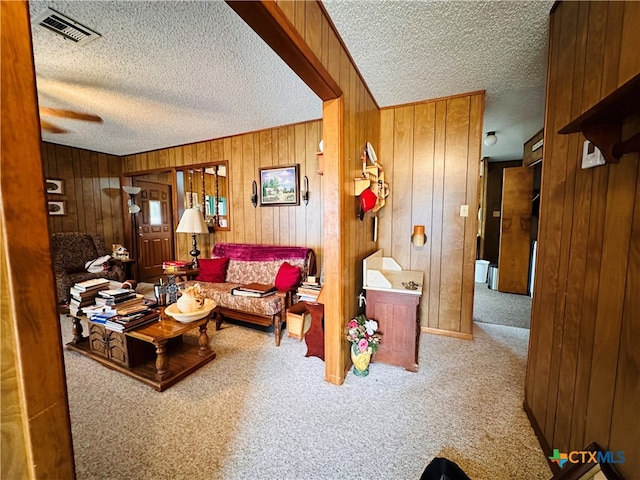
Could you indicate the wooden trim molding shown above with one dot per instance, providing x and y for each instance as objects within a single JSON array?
[
  {"x": 546, "y": 448},
  {"x": 447, "y": 333},
  {"x": 268, "y": 21},
  {"x": 439, "y": 99}
]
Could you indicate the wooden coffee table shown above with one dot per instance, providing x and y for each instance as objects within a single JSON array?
[{"x": 176, "y": 356}]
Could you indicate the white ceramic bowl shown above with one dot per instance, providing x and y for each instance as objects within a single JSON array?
[{"x": 173, "y": 311}]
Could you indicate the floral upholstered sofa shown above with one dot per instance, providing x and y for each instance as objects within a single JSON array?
[
  {"x": 234, "y": 265},
  {"x": 70, "y": 253}
]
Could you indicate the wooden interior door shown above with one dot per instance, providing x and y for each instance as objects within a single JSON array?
[
  {"x": 515, "y": 227},
  {"x": 155, "y": 229}
]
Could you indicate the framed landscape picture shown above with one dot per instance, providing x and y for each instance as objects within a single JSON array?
[{"x": 280, "y": 185}]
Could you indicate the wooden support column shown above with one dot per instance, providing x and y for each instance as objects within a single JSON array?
[
  {"x": 333, "y": 194},
  {"x": 36, "y": 431}
]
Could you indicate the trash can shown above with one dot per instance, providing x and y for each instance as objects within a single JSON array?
[
  {"x": 493, "y": 277},
  {"x": 482, "y": 266}
]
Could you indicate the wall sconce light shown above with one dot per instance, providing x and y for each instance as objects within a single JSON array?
[
  {"x": 254, "y": 194},
  {"x": 419, "y": 238},
  {"x": 490, "y": 139},
  {"x": 305, "y": 191}
]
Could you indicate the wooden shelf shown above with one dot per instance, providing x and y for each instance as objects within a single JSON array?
[{"x": 602, "y": 123}]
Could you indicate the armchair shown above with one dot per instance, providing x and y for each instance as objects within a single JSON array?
[{"x": 70, "y": 252}]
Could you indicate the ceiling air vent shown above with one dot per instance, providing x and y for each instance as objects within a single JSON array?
[{"x": 69, "y": 29}]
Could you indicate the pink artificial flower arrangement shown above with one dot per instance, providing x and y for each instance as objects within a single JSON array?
[{"x": 363, "y": 332}]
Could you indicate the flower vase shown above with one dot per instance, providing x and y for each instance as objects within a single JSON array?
[{"x": 360, "y": 361}]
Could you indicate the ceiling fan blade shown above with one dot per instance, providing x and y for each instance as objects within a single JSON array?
[
  {"x": 57, "y": 112},
  {"x": 51, "y": 128}
]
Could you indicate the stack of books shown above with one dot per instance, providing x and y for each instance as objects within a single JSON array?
[
  {"x": 308, "y": 291},
  {"x": 122, "y": 300},
  {"x": 124, "y": 323},
  {"x": 83, "y": 294},
  {"x": 176, "y": 265},
  {"x": 254, "y": 290}
]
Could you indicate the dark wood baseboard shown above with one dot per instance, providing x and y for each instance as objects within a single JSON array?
[{"x": 546, "y": 448}]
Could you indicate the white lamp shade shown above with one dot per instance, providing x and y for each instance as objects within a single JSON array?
[
  {"x": 131, "y": 190},
  {"x": 192, "y": 222}
]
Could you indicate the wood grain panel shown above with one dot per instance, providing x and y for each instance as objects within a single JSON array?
[
  {"x": 433, "y": 169},
  {"x": 455, "y": 187},
  {"x": 437, "y": 209},
  {"x": 36, "y": 430},
  {"x": 422, "y": 192},
  {"x": 582, "y": 372},
  {"x": 91, "y": 191},
  {"x": 625, "y": 421}
]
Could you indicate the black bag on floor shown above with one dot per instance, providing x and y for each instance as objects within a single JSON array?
[{"x": 443, "y": 469}]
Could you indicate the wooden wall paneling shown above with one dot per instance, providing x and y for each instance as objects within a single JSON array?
[
  {"x": 422, "y": 196},
  {"x": 554, "y": 177},
  {"x": 313, "y": 27},
  {"x": 540, "y": 327},
  {"x": 437, "y": 209},
  {"x": 315, "y": 210},
  {"x": 288, "y": 7},
  {"x": 611, "y": 62},
  {"x": 299, "y": 215},
  {"x": 576, "y": 256},
  {"x": 104, "y": 194},
  {"x": 386, "y": 152},
  {"x": 249, "y": 171},
  {"x": 625, "y": 421},
  {"x": 615, "y": 256},
  {"x": 36, "y": 429},
  {"x": 403, "y": 173},
  {"x": 94, "y": 192},
  {"x": 455, "y": 176},
  {"x": 266, "y": 213},
  {"x": 559, "y": 236},
  {"x": 235, "y": 184},
  {"x": 476, "y": 112},
  {"x": 629, "y": 56},
  {"x": 588, "y": 259},
  {"x": 589, "y": 305}
]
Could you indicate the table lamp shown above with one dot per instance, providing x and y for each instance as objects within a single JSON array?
[{"x": 192, "y": 222}]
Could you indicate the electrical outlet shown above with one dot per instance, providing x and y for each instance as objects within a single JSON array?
[
  {"x": 464, "y": 210},
  {"x": 496, "y": 214}
]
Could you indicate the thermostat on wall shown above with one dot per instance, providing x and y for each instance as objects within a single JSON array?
[{"x": 591, "y": 155}]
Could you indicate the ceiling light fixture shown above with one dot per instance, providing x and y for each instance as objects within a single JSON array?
[{"x": 490, "y": 139}]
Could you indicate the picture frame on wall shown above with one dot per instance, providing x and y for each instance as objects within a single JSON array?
[
  {"x": 57, "y": 207},
  {"x": 54, "y": 186},
  {"x": 280, "y": 186}
]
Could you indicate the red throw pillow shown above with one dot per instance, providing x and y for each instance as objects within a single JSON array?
[
  {"x": 213, "y": 269},
  {"x": 288, "y": 277}
]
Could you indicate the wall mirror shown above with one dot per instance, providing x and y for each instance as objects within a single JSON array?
[{"x": 206, "y": 188}]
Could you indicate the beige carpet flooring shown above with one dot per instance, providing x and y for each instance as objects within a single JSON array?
[
  {"x": 491, "y": 306},
  {"x": 261, "y": 412}
]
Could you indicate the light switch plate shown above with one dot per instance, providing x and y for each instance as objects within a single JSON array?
[
  {"x": 464, "y": 210},
  {"x": 591, "y": 156}
]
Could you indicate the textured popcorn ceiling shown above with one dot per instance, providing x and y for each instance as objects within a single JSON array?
[
  {"x": 419, "y": 50},
  {"x": 163, "y": 74},
  {"x": 170, "y": 73}
]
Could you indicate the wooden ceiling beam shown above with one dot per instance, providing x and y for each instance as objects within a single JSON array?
[{"x": 268, "y": 21}]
